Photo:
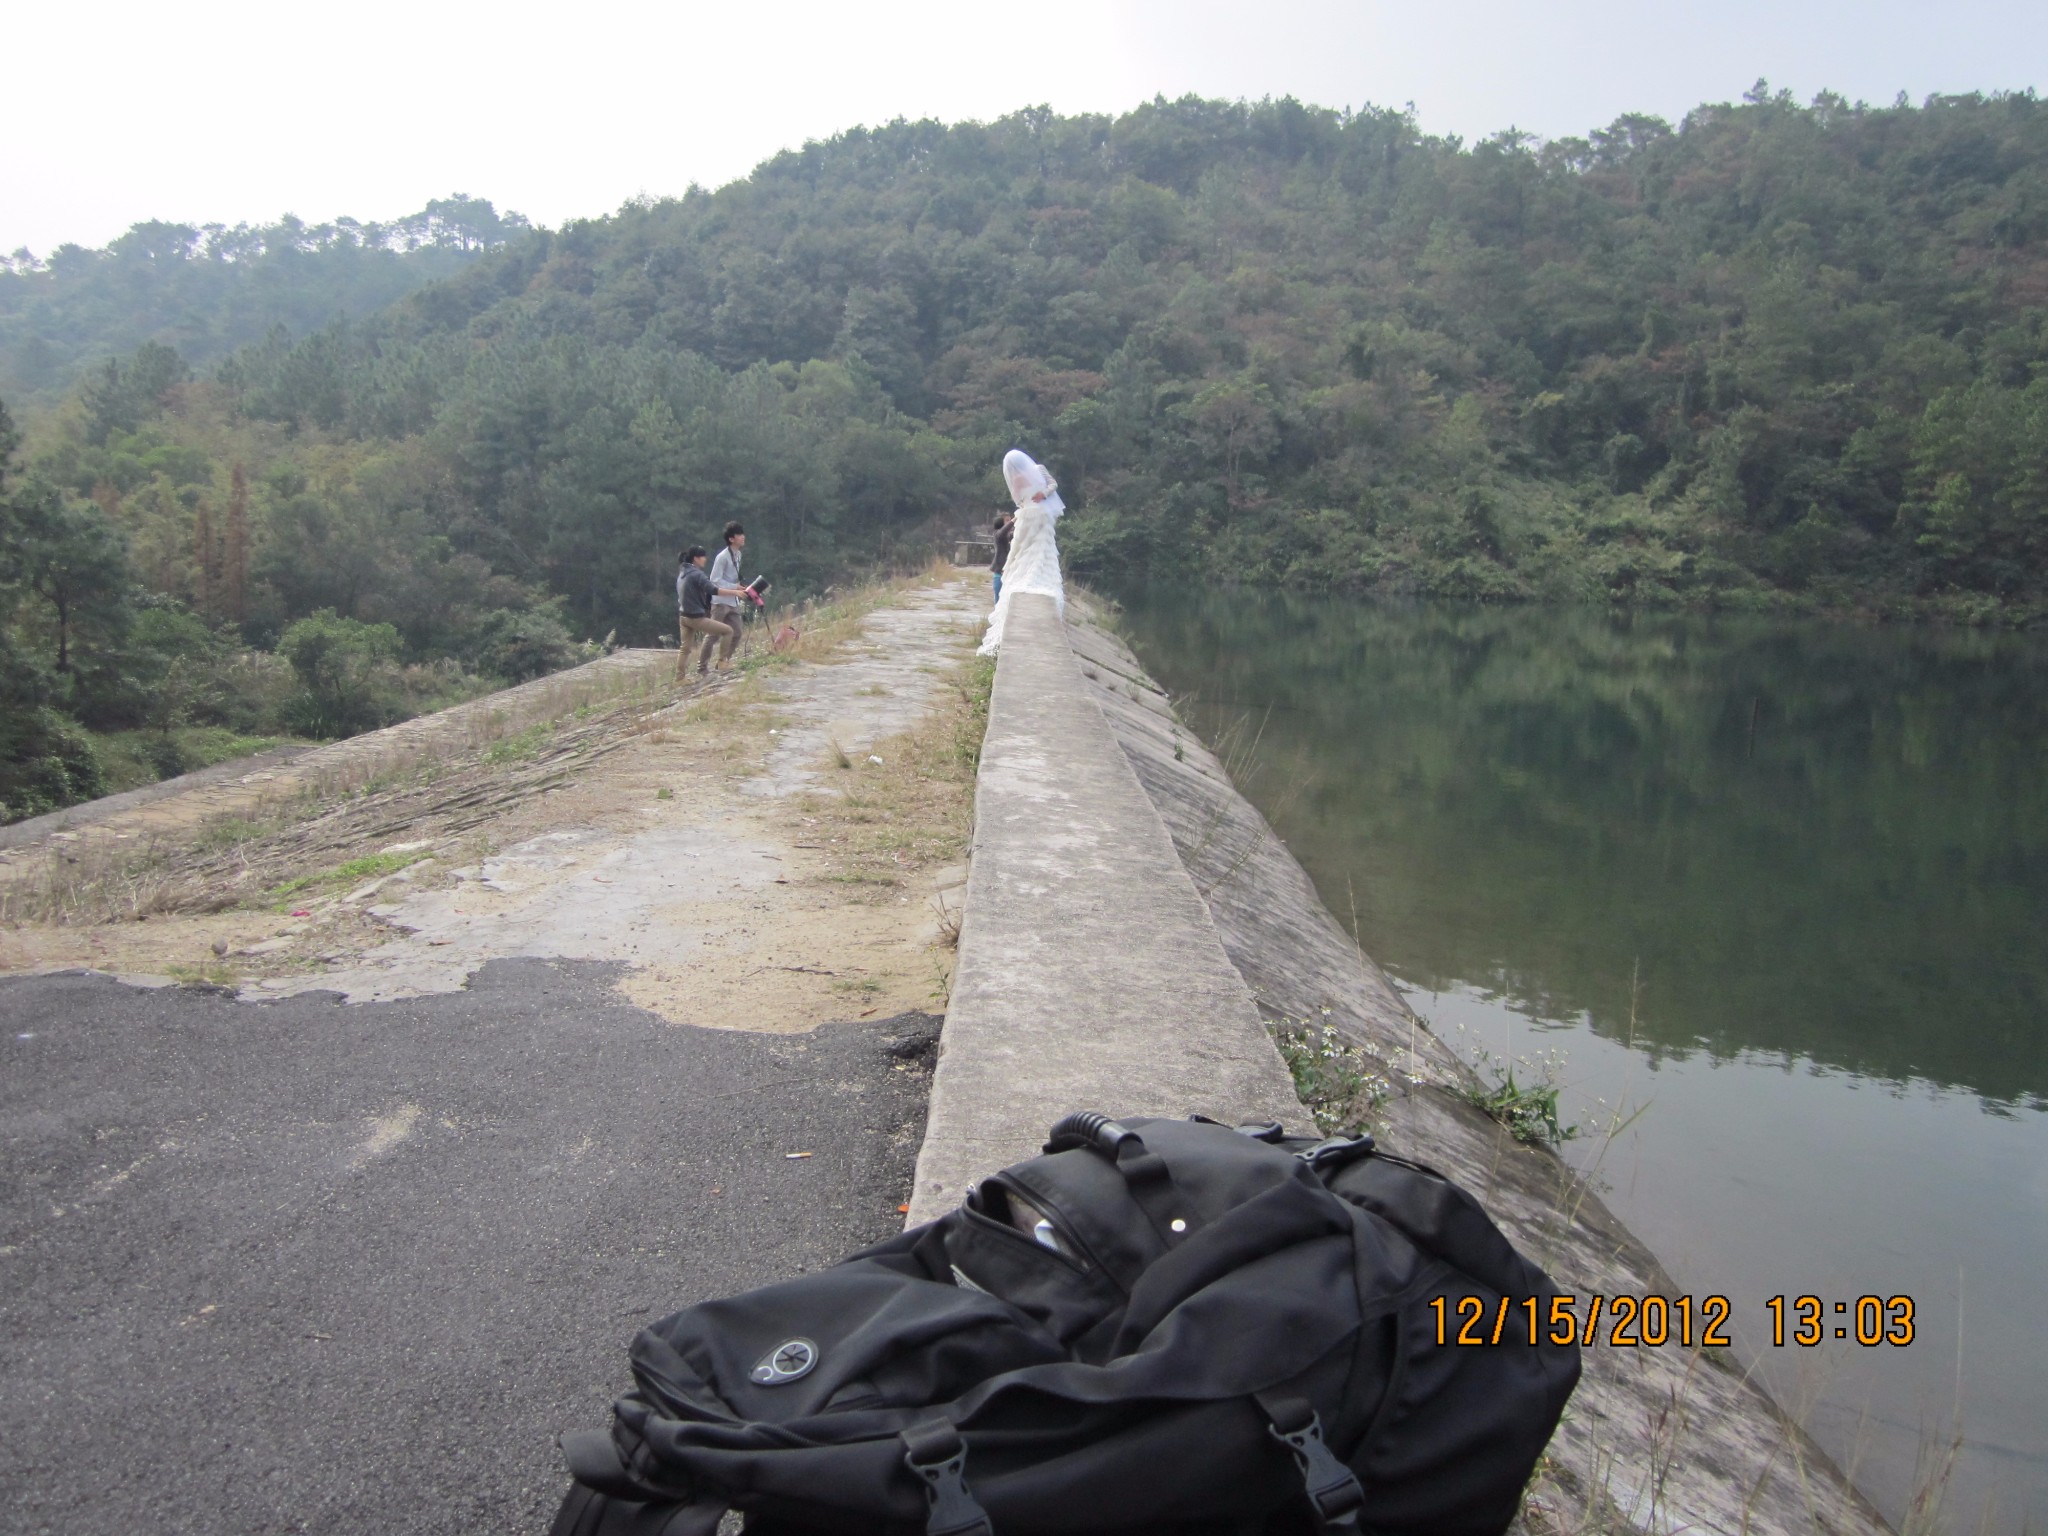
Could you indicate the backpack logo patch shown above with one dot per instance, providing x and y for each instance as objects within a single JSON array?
[{"x": 786, "y": 1362}]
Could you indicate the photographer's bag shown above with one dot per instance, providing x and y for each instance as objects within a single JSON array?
[{"x": 1159, "y": 1326}]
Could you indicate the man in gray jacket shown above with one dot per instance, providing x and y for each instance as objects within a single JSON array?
[{"x": 725, "y": 575}]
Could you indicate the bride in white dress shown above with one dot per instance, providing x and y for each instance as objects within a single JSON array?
[{"x": 1034, "y": 563}]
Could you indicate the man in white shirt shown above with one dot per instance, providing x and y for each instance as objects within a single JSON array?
[{"x": 725, "y": 575}]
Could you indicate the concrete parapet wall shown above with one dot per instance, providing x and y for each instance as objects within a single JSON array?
[{"x": 1090, "y": 975}]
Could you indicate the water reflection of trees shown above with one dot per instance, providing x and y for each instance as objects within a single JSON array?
[{"x": 1819, "y": 840}]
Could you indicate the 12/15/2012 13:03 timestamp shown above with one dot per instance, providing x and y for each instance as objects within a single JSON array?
[{"x": 1633, "y": 1321}]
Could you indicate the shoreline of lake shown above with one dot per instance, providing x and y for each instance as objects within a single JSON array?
[{"x": 1778, "y": 871}]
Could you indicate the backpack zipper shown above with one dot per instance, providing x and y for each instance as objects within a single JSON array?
[
  {"x": 1062, "y": 1255},
  {"x": 1072, "y": 1251}
]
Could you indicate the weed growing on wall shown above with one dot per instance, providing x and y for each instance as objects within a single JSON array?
[
  {"x": 1527, "y": 1107},
  {"x": 1337, "y": 1080}
]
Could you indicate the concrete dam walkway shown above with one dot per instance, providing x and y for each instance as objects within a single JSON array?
[{"x": 1132, "y": 925}]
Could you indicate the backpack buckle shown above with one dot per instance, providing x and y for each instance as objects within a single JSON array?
[
  {"x": 1335, "y": 1151},
  {"x": 1332, "y": 1488},
  {"x": 1272, "y": 1132},
  {"x": 938, "y": 1457}
]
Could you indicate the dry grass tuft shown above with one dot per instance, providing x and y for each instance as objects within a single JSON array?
[{"x": 915, "y": 810}]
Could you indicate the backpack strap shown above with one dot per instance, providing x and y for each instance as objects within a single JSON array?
[
  {"x": 937, "y": 1456},
  {"x": 1146, "y": 1175},
  {"x": 594, "y": 1462},
  {"x": 1150, "y": 1183},
  {"x": 586, "y": 1512},
  {"x": 606, "y": 1500},
  {"x": 1333, "y": 1490}
]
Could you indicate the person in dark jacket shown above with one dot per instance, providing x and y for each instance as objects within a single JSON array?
[
  {"x": 694, "y": 592},
  {"x": 1006, "y": 529}
]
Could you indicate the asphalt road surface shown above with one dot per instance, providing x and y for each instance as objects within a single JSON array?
[{"x": 300, "y": 1266}]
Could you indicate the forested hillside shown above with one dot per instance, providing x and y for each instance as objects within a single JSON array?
[
  {"x": 1776, "y": 355},
  {"x": 205, "y": 291}
]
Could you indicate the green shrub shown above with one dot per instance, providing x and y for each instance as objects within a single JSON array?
[
  {"x": 46, "y": 762},
  {"x": 516, "y": 645},
  {"x": 347, "y": 673},
  {"x": 165, "y": 754}
]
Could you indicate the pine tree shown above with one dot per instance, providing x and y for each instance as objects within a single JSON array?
[
  {"x": 203, "y": 559},
  {"x": 235, "y": 558}
]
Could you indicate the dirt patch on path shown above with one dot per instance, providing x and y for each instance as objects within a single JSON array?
[{"x": 713, "y": 842}]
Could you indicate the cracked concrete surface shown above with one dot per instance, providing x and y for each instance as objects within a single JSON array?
[
  {"x": 885, "y": 688},
  {"x": 582, "y": 893}
]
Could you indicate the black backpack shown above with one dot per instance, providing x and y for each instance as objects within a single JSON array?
[{"x": 1159, "y": 1325}]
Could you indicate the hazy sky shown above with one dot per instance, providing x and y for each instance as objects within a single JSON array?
[{"x": 220, "y": 110}]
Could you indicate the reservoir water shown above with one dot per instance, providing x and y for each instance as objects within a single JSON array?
[{"x": 1778, "y": 889}]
